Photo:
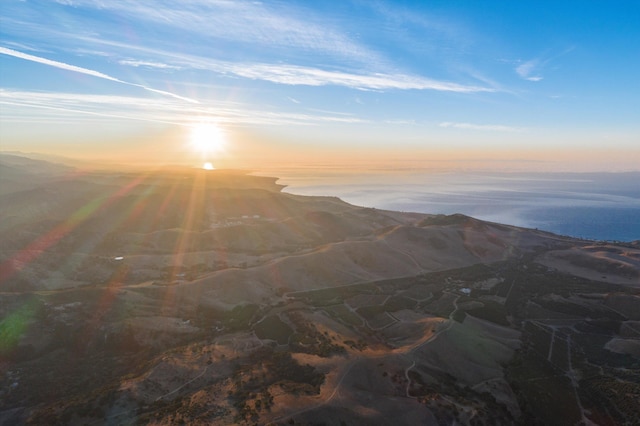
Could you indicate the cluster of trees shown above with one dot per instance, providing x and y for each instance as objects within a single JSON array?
[
  {"x": 264, "y": 368},
  {"x": 308, "y": 339}
]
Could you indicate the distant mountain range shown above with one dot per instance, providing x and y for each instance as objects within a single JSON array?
[{"x": 211, "y": 297}]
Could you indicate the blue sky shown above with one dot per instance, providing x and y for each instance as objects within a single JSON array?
[{"x": 551, "y": 83}]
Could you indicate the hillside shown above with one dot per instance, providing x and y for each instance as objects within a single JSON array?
[{"x": 189, "y": 296}]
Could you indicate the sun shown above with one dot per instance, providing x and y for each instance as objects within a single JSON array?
[
  {"x": 208, "y": 166},
  {"x": 207, "y": 139}
]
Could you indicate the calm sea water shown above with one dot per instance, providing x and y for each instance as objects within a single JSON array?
[{"x": 600, "y": 206}]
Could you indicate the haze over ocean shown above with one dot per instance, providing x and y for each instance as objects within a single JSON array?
[{"x": 599, "y": 206}]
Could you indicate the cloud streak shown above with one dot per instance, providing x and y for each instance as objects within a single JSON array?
[
  {"x": 148, "y": 64},
  {"x": 254, "y": 24},
  {"x": 297, "y": 75},
  {"x": 527, "y": 69},
  {"x": 531, "y": 70},
  {"x": 153, "y": 110},
  {"x": 68, "y": 67},
  {"x": 485, "y": 127},
  {"x": 250, "y": 22},
  {"x": 294, "y": 74},
  {"x": 81, "y": 70}
]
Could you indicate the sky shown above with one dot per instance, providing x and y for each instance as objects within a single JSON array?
[{"x": 515, "y": 85}]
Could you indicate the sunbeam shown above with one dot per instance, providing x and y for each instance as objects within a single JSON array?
[{"x": 40, "y": 245}]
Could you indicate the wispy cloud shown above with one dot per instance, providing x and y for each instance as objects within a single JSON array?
[
  {"x": 298, "y": 75},
  {"x": 436, "y": 32},
  {"x": 21, "y": 46},
  {"x": 532, "y": 69},
  {"x": 487, "y": 127},
  {"x": 148, "y": 64},
  {"x": 254, "y": 24},
  {"x": 93, "y": 73},
  {"x": 529, "y": 70},
  {"x": 68, "y": 67},
  {"x": 401, "y": 122},
  {"x": 166, "y": 111}
]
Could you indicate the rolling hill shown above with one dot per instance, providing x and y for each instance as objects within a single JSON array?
[{"x": 211, "y": 297}]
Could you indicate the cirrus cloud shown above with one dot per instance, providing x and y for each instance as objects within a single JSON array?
[
  {"x": 487, "y": 127},
  {"x": 81, "y": 70}
]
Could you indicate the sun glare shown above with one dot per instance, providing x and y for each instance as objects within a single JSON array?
[
  {"x": 207, "y": 138},
  {"x": 208, "y": 166}
]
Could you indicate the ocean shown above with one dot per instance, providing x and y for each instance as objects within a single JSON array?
[{"x": 598, "y": 206}]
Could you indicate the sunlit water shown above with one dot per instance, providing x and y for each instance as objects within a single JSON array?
[{"x": 601, "y": 206}]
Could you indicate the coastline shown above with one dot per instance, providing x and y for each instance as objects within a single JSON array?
[{"x": 595, "y": 206}]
